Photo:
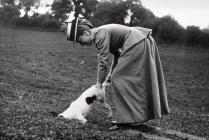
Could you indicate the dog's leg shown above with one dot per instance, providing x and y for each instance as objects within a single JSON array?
[{"x": 82, "y": 118}]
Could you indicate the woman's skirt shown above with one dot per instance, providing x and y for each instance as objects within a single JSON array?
[{"x": 138, "y": 85}]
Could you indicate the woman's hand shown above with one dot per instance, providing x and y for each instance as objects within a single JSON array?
[{"x": 99, "y": 85}]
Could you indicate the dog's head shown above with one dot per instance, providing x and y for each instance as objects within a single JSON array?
[
  {"x": 95, "y": 94},
  {"x": 90, "y": 100}
]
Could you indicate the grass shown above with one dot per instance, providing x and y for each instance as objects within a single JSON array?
[{"x": 41, "y": 73}]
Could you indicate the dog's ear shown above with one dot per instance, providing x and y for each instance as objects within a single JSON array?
[{"x": 90, "y": 100}]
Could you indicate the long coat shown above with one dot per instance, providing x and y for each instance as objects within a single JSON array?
[{"x": 137, "y": 79}]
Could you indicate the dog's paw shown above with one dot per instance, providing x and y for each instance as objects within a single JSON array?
[{"x": 83, "y": 121}]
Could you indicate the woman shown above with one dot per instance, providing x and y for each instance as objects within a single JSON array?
[{"x": 136, "y": 75}]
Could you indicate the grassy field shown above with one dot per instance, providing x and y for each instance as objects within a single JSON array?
[{"x": 41, "y": 73}]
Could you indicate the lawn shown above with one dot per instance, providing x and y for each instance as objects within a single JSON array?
[{"x": 41, "y": 73}]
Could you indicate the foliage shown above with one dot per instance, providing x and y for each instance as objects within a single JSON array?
[
  {"x": 84, "y": 8},
  {"x": 44, "y": 21},
  {"x": 196, "y": 37},
  {"x": 192, "y": 35},
  {"x": 9, "y": 13},
  {"x": 168, "y": 30},
  {"x": 130, "y": 12},
  {"x": 7, "y": 2},
  {"x": 27, "y": 4},
  {"x": 60, "y": 8},
  {"x": 204, "y": 38},
  {"x": 148, "y": 19},
  {"x": 111, "y": 12},
  {"x": 140, "y": 16},
  {"x": 90, "y": 8}
]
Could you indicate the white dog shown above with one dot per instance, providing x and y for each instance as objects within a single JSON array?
[{"x": 82, "y": 105}]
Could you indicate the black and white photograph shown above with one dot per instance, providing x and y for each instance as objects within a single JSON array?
[{"x": 104, "y": 69}]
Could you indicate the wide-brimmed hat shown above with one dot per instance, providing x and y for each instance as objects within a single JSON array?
[{"x": 72, "y": 28}]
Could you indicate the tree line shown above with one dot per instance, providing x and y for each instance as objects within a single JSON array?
[{"x": 127, "y": 12}]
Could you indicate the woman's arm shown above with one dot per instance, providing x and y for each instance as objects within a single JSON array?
[
  {"x": 102, "y": 45},
  {"x": 113, "y": 65}
]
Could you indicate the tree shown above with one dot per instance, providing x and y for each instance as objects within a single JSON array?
[
  {"x": 168, "y": 30},
  {"x": 204, "y": 38},
  {"x": 143, "y": 17},
  {"x": 192, "y": 36},
  {"x": 111, "y": 12},
  {"x": 88, "y": 8},
  {"x": 26, "y": 5},
  {"x": 7, "y": 2},
  {"x": 133, "y": 6},
  {"x": 85, "y": 8},
  {"x": 60, "y": 8},
  {"x": 9, "y": 13}
]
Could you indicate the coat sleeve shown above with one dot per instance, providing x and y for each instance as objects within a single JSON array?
[
  {"x": 102, "y": 45},
  {"x": 113, "y": 65}
]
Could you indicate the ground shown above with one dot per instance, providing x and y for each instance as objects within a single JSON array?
[{"x": 41, "y": 73}]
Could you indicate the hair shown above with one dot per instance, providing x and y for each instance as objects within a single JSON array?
[
  {"x": 80, "y": 31},
  {"x": 83, "y": 25}
]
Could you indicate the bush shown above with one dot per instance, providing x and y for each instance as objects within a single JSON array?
[
  {"x": 168, "y": 30},
  {"x": 45, "y": 22},
  {"x": 51, "y": 25},
  {"x": 142, "y": 17},
  {"x": 204, "y": 38},
  {"x": 110, "y": 12},
  {"x": 9, "y": 13},
  {"x": 192, "y": 35}
]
